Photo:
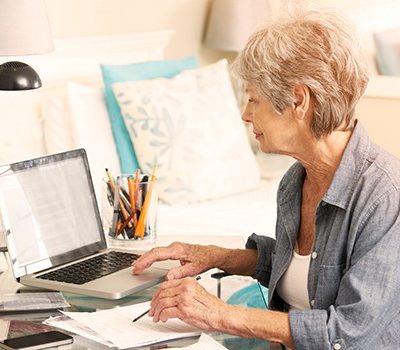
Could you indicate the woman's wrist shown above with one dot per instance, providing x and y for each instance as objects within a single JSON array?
[
  {"x": 233, "y": 320},
  {"x": 255, "y": 323},
  {"x": 238, "y": 261},
  {"x": 223, "y": 316}
]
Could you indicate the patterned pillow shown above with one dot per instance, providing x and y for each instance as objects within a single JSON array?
[
  {"x": 190, "y": 126},
  {"x": 128, "y": 72}
]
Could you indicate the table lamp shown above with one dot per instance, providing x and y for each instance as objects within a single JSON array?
[
  {"x": 231, "y": 22},
  {"x": 24, "y": 30}
]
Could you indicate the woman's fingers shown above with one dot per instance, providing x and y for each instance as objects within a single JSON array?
[
  {"x": 187, "y": 300},
  {"x": 162, "y": 306},
  {"x": 167, "y": 289},
  {"x": 187, "y": 270},
  {"x": 175, "y": 251}
]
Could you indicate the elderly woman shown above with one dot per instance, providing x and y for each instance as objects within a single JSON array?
[{"x": 333, "y": 271}]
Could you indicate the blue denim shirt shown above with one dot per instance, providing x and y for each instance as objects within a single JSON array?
[{"x": 354, "y": 277}]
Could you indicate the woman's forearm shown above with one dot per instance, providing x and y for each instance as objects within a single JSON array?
[
  {"x": 272, "y": 326},
  {"x": 237, "y": 261}
]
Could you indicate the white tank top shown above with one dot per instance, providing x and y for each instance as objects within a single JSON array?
[{"x": 292, "y": 287}]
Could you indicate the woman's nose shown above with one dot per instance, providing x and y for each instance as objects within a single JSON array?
[{"x": 246, "y": 114}]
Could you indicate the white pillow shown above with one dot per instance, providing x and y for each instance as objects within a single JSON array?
[
  {"x": 91, "y": 130},
  {"x": 56, "y": 124},
  {"x": 191, "y": 126}
]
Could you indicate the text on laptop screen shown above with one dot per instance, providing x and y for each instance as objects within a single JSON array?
[{"x": 49, "y": 207}]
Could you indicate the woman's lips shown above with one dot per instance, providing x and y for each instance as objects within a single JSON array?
[{"x": 257, "y": 135}]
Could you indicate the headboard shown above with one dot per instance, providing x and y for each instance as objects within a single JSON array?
[{"x": 74, "y": 59}]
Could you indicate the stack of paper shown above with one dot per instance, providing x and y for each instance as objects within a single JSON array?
[{"x": 117, "y": 329}]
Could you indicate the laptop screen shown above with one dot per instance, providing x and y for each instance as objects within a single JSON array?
[{"x": 49, "y": 211}]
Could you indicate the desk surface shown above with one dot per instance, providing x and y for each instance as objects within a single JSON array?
[{"x": 85, "y": 303}]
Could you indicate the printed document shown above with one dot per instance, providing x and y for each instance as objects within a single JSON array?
[{"x": 116, "y": 326}]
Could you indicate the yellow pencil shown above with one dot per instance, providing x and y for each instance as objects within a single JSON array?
[
  {"x": 131, "y": 195},
  {"x": 139, "y": 230}
]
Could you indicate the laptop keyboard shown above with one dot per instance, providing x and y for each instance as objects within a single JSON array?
[{"x": 91, "y": 269}]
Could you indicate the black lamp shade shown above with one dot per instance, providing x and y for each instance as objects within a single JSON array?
[{"x": 16, "y": 75}]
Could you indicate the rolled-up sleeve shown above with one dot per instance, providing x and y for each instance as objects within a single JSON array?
[
  {"x": 367, "y": 303},
  {"x": 265, "y": 247}
]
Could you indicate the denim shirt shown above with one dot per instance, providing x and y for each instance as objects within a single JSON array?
[{"x": 354, "y": 275}]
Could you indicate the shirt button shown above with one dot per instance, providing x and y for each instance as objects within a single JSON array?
[
  {"x": 312, "y": 302},
  {"x": 337, "y": 346},
  {"x": 314, "y": 255}
]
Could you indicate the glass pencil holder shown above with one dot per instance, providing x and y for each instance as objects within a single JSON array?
[{"x": 129, "y": 210}]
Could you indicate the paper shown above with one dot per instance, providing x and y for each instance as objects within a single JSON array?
[
  {"x": 32, "y": 301},
  {"x": 4, "y": 326},
  {"x": 205, "y": 342},
  {"x": 68, "y": 324},
  {"x": 116, "y": 326}
]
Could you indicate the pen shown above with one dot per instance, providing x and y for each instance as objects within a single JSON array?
[
  {"x": 114, "y": 225},
  {"x": 120, "y": 201},
  {"x": 141, "y": 315},
  {"x": 147, "y": 311}
]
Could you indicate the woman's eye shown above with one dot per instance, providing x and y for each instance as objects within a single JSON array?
[{"x": 250, "y": 100}]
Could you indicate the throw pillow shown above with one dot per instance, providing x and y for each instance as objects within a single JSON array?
[
  {"x": 91, "y": 130},
  {"x": 191, "y": 127},
  {"x": 56, "y": 124},
  {"x": 129, "y": 72}
]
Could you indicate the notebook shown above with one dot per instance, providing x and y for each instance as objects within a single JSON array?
[{"x": 51, "y": 221}]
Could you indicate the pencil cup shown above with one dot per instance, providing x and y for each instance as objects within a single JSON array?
[{"x": 129, "y": 210}]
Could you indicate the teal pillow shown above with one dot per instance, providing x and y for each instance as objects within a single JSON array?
[{"x": 135, "y": 71}]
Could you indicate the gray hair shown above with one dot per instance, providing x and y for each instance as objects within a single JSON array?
[{"x": 313, "y": 48}]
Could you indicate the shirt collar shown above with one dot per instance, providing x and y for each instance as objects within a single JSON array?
[
  {"x": 292, "y": 184},
  {"x": 346, "y": 175},
  {"x": 349, "y": 169}
]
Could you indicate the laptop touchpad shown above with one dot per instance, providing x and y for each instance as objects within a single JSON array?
[{"x": 166, "y": 265}]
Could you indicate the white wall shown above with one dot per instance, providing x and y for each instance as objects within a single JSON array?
[
  {"x": 189, "y": 18},
  {"x": 69, "y": 18},
  {"x": 379, "y": 111}
]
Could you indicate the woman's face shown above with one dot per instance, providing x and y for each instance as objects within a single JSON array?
[{"x": 276, "y": 133}]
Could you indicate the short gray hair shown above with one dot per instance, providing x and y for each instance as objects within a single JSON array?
[{"x": 313, "y": 48}]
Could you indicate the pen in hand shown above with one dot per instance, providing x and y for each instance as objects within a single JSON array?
[
  {"x": 147, "y": 311},
  {"x": 141, "y": 315}
]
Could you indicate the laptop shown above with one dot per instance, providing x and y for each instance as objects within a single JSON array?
[{"x": 52, "y": 227}]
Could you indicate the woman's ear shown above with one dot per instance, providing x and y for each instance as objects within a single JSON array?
[{"x": 302, "y": 104}]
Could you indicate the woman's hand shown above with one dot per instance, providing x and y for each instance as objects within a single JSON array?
[
  {"x": 194, "y": 259},
  {"x": 188, "y": 301}
]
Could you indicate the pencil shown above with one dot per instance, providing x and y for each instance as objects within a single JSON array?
[
  {"x": 139, "y": 230},
  {"x": 147, "y": 311},
  {"x": 122, "y": 227},
  {"x": 125, "y": 214},
  {"x": 131, "y": 196},
  {"x": 135, "y": 192}
]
